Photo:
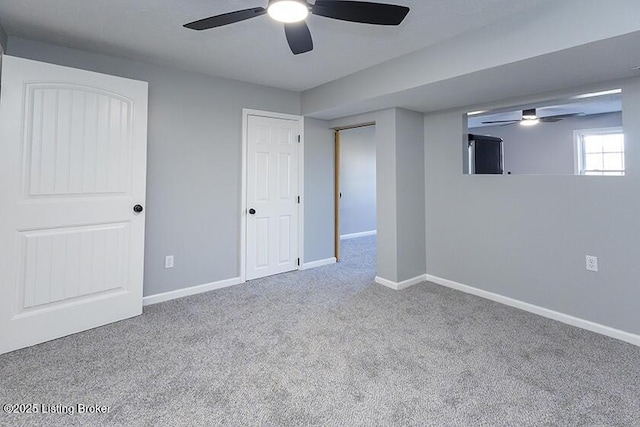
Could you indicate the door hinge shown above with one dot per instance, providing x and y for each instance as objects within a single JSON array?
[
  {"x": 298, "y": 262},
  {"x": 299, "y": 139}
]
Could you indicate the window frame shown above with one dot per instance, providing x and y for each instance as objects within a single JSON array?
[{"x": 579, "y": 151}]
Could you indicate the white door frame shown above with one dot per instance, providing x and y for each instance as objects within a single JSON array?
[{"x": 246, "y": 112}]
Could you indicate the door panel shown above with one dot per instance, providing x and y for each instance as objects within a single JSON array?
[
  {"x": 50, "y": 258},
  {"x": 73, "y": 166},
  {"x": 262, "y": 243},
  {"x": 284, "y": 176},
  {"x": 77, "y": 141},
  {"x": 262, "y": 177},
  {"x": 284, "y": 239},
  {"x": 272, "y": 190}
]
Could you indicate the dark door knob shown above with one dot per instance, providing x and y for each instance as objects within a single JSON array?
[
  {"x": 252, "y": 211},
  {"x": 138, "y": 208}
]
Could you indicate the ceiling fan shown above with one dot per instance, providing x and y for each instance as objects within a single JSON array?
[
  {"x": 293, "y": 13},
  {"x": 530, "y": 118}
]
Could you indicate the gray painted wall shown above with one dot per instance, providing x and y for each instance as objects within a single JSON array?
[
  {"x": 319, "y": 202},
  {"x": 194, "y": 162},
  {"x": 358, "y": 180},
  {"x": 410, "y": 190},
  {"x": 526, "y": 237},
  {"x": 547, "y": 148}
]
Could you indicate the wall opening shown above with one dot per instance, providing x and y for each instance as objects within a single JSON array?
[{"x": 355, "y": 186}]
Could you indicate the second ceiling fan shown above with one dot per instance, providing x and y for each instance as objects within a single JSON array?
[
  {"x": 530, "y": 117},
  {"x": 293, "y": 13}
]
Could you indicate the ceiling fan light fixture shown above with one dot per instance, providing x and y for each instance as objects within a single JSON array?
[
  {"x": 530, "y": 122},
  {"x": 288, "y": 11}
]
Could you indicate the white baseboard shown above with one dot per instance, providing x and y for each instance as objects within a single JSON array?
[
  {"x": 356, "y": 235},
  {"x": 180, "y": 293},
  {"x": 398, "y": 286},
  {"x": 544, "y": 312},
  {"x": 319, "y": 263}
]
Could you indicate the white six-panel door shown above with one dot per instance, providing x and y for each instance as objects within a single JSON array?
[
  {"x": 73, "y": 166},
  {"x": 272, "y": 196}
]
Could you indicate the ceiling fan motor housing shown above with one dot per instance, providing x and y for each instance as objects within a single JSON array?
[{"x": 529, "y": 114}]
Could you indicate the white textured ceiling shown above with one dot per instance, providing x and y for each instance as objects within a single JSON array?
[{"x": 254, "y": 50}]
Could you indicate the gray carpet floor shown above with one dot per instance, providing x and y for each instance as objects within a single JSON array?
[{"x": 329, "y": 347}]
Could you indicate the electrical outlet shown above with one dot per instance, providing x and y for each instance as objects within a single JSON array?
[
  {"x": 168, "y": 261},
  {"x": 592, "y": 263}
]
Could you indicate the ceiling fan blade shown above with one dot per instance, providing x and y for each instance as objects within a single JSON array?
[
  {"x": 550, "y": 119},
  {"x": 562, "y": 116},
  {"x": 361, "y": 11},
  {"x": 226, "y": 19},
  {"x": 299, "y": 37},
  {"x": 500, "y": 121}
]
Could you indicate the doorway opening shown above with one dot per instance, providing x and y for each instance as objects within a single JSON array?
[{"x": 355, "y": 186}]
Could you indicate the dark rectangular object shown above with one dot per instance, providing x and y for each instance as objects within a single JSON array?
[{"x": 486, "y": 155}]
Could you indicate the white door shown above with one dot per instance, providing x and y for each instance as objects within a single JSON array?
[
  {"x": 272, "y": 196},
  {"x": 72, "y": 168}
]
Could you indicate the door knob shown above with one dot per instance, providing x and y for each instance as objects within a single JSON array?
[
  {"x": 252, "y": 211},
  {"x": 138, "y": 208}
]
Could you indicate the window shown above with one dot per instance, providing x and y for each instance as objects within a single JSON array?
[{"x": 600, "y": 152}]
